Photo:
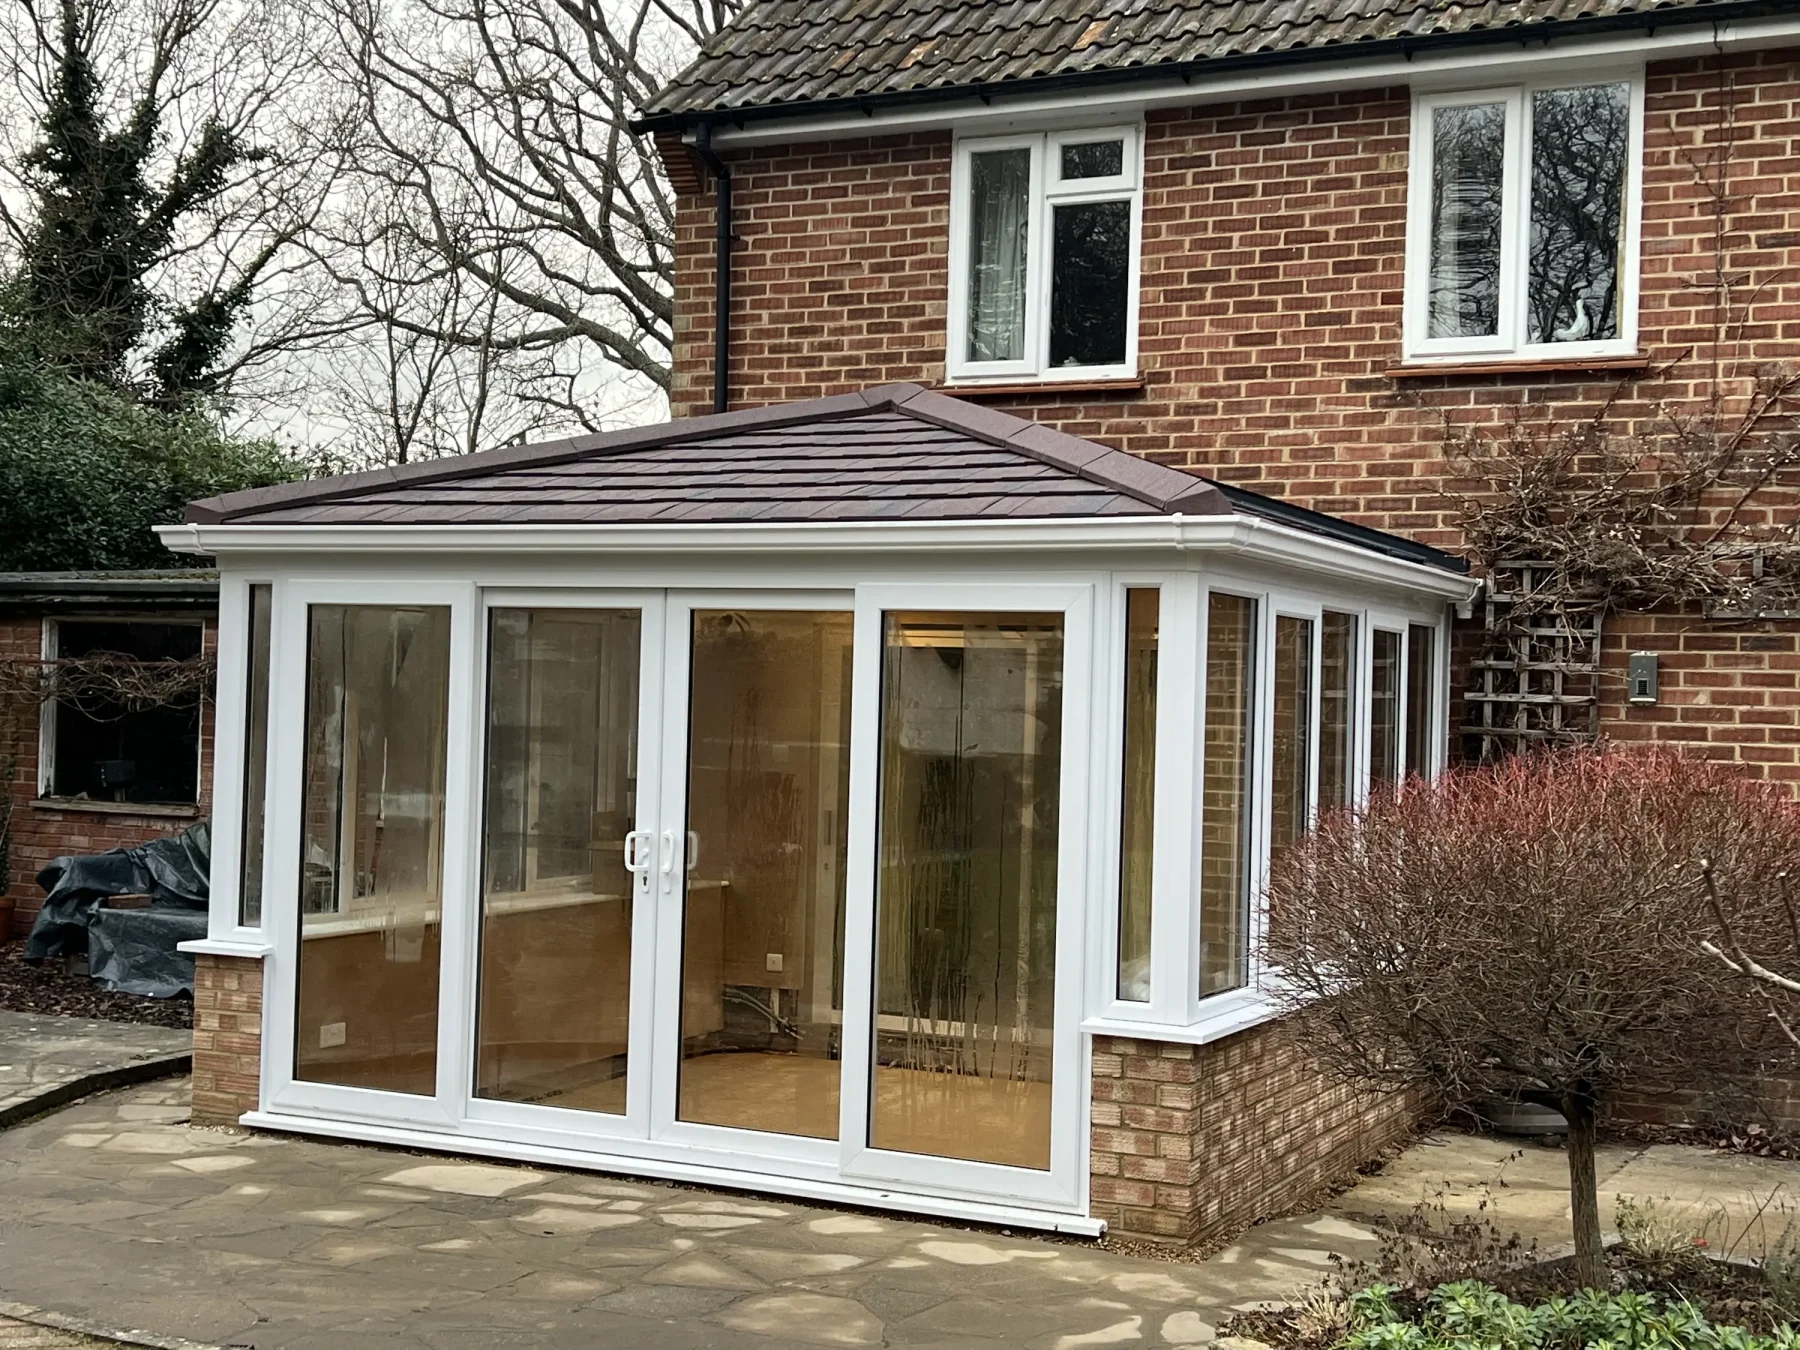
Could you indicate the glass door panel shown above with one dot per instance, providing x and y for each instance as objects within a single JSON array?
[
  {"x": 768, "y": 775},
  {"x": 556, "y": 907},
  {"x": 965, "y": 923},
  {"x": 372, "y": 846}
]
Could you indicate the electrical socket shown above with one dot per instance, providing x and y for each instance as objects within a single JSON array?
[
  {"x": 772, "y": 962},
  {"x": 330, "y": 1034}
]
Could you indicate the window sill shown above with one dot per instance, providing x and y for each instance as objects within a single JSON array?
[
  {"x": 161, "y": 810},
  {"x": 1037, "y": 388},
  {"x": 254, "y": 951},
  {"x": 1221, "y": 1016},
  {"x": 1555, "y": 365}
]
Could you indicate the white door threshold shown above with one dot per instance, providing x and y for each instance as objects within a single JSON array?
[{"x": 828, "y": 1192}]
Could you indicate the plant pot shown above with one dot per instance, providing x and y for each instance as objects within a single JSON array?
[{"x": 6, "y": 916}]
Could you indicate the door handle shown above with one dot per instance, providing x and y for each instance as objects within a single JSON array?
[
  {"x": 693, "y": 849},
  {"x": 637, "y": 851},
  {"x": 670, "y": 851}
]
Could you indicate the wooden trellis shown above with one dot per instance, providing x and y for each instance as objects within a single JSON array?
[{"x": 1536, "y": 679}]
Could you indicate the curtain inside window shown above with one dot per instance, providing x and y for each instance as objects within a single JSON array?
[{"x": 999, "y": 223}]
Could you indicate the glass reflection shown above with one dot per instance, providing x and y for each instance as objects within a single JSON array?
[
  {"x": 1136, "y": 826},
  {"x": 1224, "y": 813},
  {"x": 1291, "y": 770}
]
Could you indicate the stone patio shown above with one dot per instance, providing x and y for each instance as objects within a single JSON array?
[
  {"x": 117, "y": 1211},
  {"x": 46, "y": 1061}
]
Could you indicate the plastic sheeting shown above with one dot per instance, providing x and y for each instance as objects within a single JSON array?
[{"x": 128, "y": 949}]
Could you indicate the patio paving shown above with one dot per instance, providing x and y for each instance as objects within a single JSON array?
[
  {"x": 46, "y": 1061},
  {"x": 117, "y": 1211}
]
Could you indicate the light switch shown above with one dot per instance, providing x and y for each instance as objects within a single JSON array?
[{"x": 772, "y": 962}]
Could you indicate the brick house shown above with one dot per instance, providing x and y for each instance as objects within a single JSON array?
[
  {"x": 85, "y": 775},
  {"x": 935, "y": 264}
]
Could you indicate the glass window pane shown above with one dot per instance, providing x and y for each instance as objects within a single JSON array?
[
  {"x": 1143, "y": 606},
  {"x": 1579, "y": 140},
  {"x": 1384, "y": 709},
  {"x": 1421, "y": 680},
  {"x": 1224, "y": 813},
  {"x": 1467, "y": 156},
  {"x": 1089, "y": 289},
  {"x": 1093, "y": 159},
  {"x": 372, "y": 845},
  {"x": 1337, "y": 698},
  {"x": 562, "y": 729},
  {"x": 256, "y": 759},
  {"x": 106, "y": 749},
  {"x": 965, "y": 984},
  {"x": 1291, "y": 771},
  {"x": 763, "y": 923},
  {"x": 999, "y": 232}
]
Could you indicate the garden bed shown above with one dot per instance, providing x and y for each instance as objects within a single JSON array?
[{"x": 48, "y": 989}]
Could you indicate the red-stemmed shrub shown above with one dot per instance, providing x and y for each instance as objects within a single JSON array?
[{"x": 1533, "y": 929}]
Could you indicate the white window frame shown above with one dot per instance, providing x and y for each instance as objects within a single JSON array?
[
  {"x": 49, "y": 647},
  {"x": 1509, "y": 343},
  {"x": 1047, "y": 193}
]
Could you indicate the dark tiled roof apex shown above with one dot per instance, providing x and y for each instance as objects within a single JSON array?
[
  {"x": 893, "y": 453},
  {"x": 795, "y": 55}
]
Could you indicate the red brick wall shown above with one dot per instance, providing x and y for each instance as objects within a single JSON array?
[
  {"x": 227, "y": 1037},
  {"x": 41, "y": 833},
  {"x": 1193, "y": 1143},
  {"x": 1274, "y": 244}
]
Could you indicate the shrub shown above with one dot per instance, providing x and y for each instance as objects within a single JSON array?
[{"x": 1533, "y": 929}]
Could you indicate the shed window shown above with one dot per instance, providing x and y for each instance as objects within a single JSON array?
[
  {"x": 1044, "y": 256},
  {"x": 1524, "y": 201},
  {"x": 104, "y": 746}
]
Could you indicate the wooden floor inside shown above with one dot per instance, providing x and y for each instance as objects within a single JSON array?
[{"x": 944, "y": 1115}]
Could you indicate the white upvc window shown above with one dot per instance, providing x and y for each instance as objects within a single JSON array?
[
  {"x": 1522, "y": 221},
  {"x": 1044, "y": 242}
]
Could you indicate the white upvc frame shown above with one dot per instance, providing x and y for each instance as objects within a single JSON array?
[
  {"x": 1047, "y": 192},
  {"x": 49, "y": 649},
  {"x": 281, "y": 1089},
  {"x": 1063, "y": 1186},
  {"x": 1510, "y": 341}
]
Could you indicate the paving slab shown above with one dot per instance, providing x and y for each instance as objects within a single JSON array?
[
  {"x": 47, "y": 1061},
  {"x": 117, "y": 1209}
]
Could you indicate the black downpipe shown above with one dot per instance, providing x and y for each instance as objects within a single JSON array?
[{"x": 721, "y": 173}]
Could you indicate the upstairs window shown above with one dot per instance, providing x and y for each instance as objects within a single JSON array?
[
  {"x": 1522, "y": 230},
  {"x": 1044, "y": 257}
]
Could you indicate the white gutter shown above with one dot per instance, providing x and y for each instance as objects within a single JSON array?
[
  {"x": 1261, "y": 540},
  {"x": 1486, "y": 64}
]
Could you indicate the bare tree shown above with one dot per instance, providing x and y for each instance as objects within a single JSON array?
[
  {"x": 502, "y": 216},
  {"x": 1526, "y": 930}
]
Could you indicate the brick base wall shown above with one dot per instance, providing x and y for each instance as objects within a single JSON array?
[
  {"x": 227, "y": 1038},
  {"x": 1193, "y": 1142}
]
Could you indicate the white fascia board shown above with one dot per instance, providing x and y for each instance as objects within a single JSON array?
[
  {"x": 1533, "y": 58},
  {"x": 1249, "y": 538}
]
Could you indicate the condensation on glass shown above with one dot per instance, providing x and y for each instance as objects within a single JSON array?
[
  {"x": 1225, "y": 801},
  {"x": 1143, "y": 609},
  {"x": 1291, "y": 747},
  {"x": 763, "y": 918},
  {"x": 256, "y": 757},
  {"x": 999, "y": 240},
  {"x": 1337, "y": 705},
  {"x": 1089, "y": 288},
  {"x": 1093, "y": 159},
  {"x": 969, "y": 817},
  {"x": 1580, "y": 139},
  {"x": 1384, "y": 708},
  {"x": 1421, "y": 671},
  {"x": 1468, "y": 152},
  {"x": 553, "y": 1022},
  {"x": 372, "y": 846}
]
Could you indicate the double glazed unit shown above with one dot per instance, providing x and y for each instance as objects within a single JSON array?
[{"x": 782, "y": 799}]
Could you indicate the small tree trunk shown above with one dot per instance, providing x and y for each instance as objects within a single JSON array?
[{"x": 1580, "y": 1109}]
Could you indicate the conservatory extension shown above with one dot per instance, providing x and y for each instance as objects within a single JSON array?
[{"x": 785, "y": 799}]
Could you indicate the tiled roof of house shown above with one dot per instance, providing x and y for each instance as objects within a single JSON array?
[
  {"x": 895, "y": 452},
  {"x": 780, "y": 53}
]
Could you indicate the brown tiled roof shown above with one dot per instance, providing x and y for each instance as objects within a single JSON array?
[
  {"x": 896, "y": 452},
  {"x": 793, "y": 53}
]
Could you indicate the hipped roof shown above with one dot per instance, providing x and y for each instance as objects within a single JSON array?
[{"x": 893, "y": 453}]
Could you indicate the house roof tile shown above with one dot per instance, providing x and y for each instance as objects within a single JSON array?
[{"x": 792, "y": 54}]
